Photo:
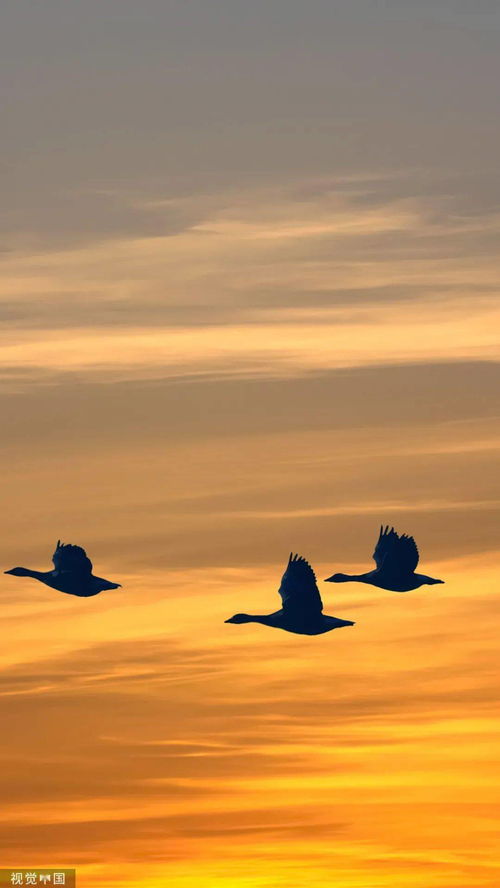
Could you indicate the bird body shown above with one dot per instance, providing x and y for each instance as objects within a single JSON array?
[
  {"x": 396, "y": 558},
  {"x": 302, "y": 610},
  {"x": 279, "y": 620},
  {"x": 72, "y": 573}
]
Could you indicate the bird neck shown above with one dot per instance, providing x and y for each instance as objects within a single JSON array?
[
  {"x": 36, "y": 574},
  {"x": 265, "y": 619}
]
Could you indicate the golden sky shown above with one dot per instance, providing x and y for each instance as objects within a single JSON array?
[{"x": 250, "y": 304}]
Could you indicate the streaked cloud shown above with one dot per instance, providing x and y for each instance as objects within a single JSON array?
[
  {"x": 225, "y": 264},
  {"x": 316, "y": 729}
]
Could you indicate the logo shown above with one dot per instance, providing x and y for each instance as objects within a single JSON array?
[{"x": 9, "y": 878}]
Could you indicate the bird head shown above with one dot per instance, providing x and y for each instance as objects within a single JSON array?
[
  {"x": 239, "y": 618},
  {"x": 337, "y": 578},
  {"x": 18, "y": 572}
]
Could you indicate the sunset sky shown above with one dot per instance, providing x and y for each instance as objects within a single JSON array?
[{"x": 249, "y": 305}]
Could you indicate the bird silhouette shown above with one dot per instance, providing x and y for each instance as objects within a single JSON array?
[
  {"x": 302, "y": 610},
  {"x": 396, "y": 558},
  {"x": 72, "y": 573}
]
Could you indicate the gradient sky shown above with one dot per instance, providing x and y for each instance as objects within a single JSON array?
[{"x": 250, "y": 303}]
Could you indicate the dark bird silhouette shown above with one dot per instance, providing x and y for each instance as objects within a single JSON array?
[
  {"x": 302, "y": 610},
  {"x": 396, "y": 558},
  {"x": 72, "y": 573}
]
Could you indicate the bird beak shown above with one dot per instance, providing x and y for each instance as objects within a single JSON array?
[{"x": 328, "y": 580}]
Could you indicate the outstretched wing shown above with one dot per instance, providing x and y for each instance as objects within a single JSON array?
[
  {"x": 298, "y": 590},
  {"x": 71, "y": 558},
  {"x": 394, "y": 553}
]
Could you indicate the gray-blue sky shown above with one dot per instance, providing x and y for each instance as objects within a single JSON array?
[{"x": 108, "y": 103}]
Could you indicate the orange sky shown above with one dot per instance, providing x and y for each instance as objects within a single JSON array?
[{"x": 250, "y": 305}]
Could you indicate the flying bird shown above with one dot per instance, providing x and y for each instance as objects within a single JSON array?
[
  {"x": 72, "y": 573},
  {"x": 302, "y": 610},
  {"x": 396, "y": 558}
]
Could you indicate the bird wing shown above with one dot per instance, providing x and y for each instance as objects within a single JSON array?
[
  {"x": 71, "y": 558},
  {"x": 394, "y": 553},
  {"x": 299, "y": 591}
]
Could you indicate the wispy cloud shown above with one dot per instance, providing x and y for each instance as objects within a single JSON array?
[
  {"x": 147, "y": 301},
  {"x": 218, "y": 734}
]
